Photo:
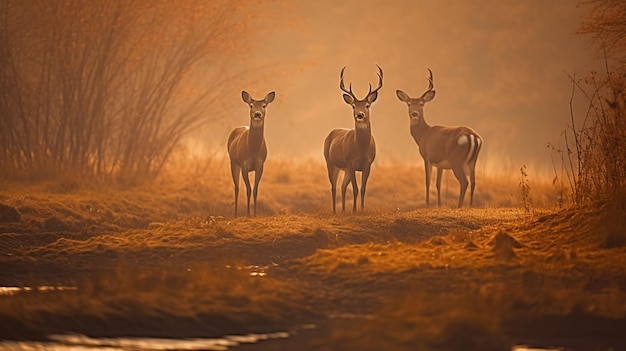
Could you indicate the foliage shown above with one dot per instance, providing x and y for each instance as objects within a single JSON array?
[
  {"x": 594, "y": 152},
  {"x": 109, "y": 88},
  {"x": 606, "y": 23},
  {"x": 594, "y": 156}
]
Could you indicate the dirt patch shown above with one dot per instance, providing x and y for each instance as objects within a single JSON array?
[
  {"x": 503, "y": 246},
  {"x": 9, "y": 214}
]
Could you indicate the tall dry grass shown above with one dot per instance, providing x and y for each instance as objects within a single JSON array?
[
  {"x": 595, "y": 149},
  {"x": 301, "y": 186},
  {"x": 593, "y": 156}
]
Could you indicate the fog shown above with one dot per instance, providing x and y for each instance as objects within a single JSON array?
[{"x": 499, "y": 67}]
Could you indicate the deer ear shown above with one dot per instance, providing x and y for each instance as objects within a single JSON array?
[
  {"x": 428, "y": 96},
  {"x": 402, "y": 96},
  {"x": 246, "y": 97},
  {"x": 372, "y": 97},
  {"x": 348, "y": 99},
  {"x": 270, "y": 97}
]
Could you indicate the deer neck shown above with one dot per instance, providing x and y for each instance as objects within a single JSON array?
[
  {"x": 419, "y": 129},
  {"x": 255, "y": 137},
  {"x": 363, "y": 138}
]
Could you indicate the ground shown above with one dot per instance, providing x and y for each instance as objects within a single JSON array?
[{"x": 169, "y": 260}]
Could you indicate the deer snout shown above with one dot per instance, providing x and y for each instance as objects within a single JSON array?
[
  {"x": 258, "y": 114},
  {"x": 415, "y": 114},
  {"x": 360, "y": 115}
]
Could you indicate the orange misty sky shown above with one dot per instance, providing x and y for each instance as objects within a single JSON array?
[{"x": 500, "y": 67}]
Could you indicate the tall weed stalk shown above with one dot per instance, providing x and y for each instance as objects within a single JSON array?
[{"x": 594, "y": 152}]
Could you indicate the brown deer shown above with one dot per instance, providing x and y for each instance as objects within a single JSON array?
[
  {"x": 247, "y": 149},
  {"x": 444, "y": 147},
  {"x": 352, "y": 150}
]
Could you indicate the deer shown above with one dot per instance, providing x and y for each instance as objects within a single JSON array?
[
  {"x": 247, "y": 149},
  {"x": 352, "y": 150},
  {"x": 445, "y": 147}
]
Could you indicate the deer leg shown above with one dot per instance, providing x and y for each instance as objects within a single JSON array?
[
  {"x": 428, "y": 168},
  {"x": 459, "y": 173},
  {"x": 439, "y": 173},
  {"x": 246, "y": 180},
  {"x": 364, "y": 175},
  {"x": 257, "y": 179},
  {"x": 473, "y": 183},
  {"x": 235, "y": 171},
  {"x": 344, "y": 186},
  {"x": 333, "y": 173},
  {"x": 355, "y": 191}
]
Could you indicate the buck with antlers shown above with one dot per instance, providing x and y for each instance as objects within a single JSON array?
[
  {"x": 352, "y": 150},
  {"x": 444, "y": 147},
  {"x": 247, "y": 149}
]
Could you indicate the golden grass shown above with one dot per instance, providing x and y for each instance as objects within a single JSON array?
[
  {"x": 147, "y": 259},
  {"x": 302, "y": 186}
]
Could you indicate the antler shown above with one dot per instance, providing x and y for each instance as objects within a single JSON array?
[
  {"x": 343, "y": 87},
  {"x": 380, "y": 83},
  {"x": 430, "y": 80},
  {"x": 380, "y": 80}
]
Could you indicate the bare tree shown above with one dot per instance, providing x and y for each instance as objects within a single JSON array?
[
  {"x": 105, "y": 88},
  {"x": 606, "y": 23}
]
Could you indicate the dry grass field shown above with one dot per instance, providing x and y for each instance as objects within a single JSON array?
[{"x": 168, "y": 260}]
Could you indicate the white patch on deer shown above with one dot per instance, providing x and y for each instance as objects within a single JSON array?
[
  {"x": 472, "y": 145},
  {"x": 462, "y": 140}
]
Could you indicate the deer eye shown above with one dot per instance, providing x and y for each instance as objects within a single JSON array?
[{"x": 367, "y": 106}]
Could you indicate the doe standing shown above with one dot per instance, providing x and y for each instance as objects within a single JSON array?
[{"x": 247, "y": 149}]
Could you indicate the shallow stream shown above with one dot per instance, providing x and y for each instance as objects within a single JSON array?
[{"x": 78, "y": 342}]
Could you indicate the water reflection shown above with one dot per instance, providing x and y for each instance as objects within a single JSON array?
[
  {"x": 13, "y": 290},
  {"x": 77, "y": 342},
  {"x": 253, "y": 270},
  {"x": 530, "y": 348}
]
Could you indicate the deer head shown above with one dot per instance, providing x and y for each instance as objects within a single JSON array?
[
  {"x": 416, "y": 105},
  {"x": 361, "y": 108},
  {"x": 257, "y": 107}
]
